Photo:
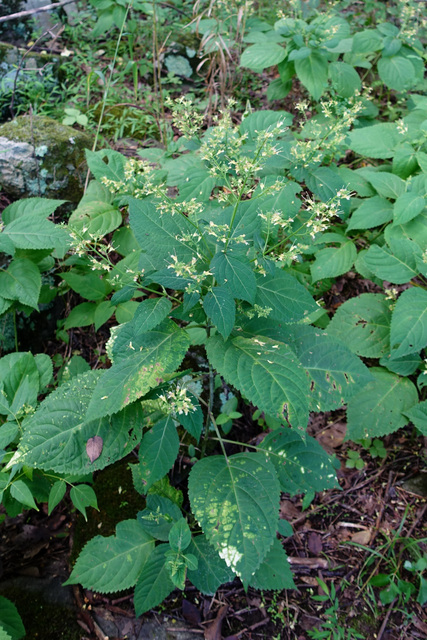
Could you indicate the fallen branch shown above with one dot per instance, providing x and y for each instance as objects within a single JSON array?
[{"x": 29, "y": 12}]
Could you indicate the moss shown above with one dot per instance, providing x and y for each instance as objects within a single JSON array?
[
  {"x": 117, "y": 501},
  {"x": 43, "y": 620}
]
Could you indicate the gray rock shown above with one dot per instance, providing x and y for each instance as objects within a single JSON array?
[{"x": 41, "y": 157}]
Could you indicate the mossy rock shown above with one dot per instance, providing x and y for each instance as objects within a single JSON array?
[{"x": 41, "y": 157}]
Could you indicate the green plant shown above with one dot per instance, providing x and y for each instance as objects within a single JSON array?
[
  {"x": 332, "y": 628},
  {"x": 11, "y": 626}
]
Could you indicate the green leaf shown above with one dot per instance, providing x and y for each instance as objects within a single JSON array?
[
  {"x": 8, "y": 432},
  {"x": 4, "y": 635},
  {"x": 22, "y": 493},
  {"x": 404, "y": 366},
  {"x": 371, "y": 213},
  {"x": 388, "y": 185},
  {"x": 398, "y": 267},
  {"x": 363, "y": 324},
  {"x": 113, "y": 563},
  {"x": 81, "y": 316},
  {"x": 22, "y": 282},
  {"x": 89, "y": 285},
  {"x": 301, "y": 466},
  {"x": 376, "y": 141},
  {"x": 113, "y": 169},
  {"x": 345, "y": 79},
  {"x": 180, "y": 535},
  {"x": 93, "y": 220},
  {"x": 56, "y": 435},
  {"x": 33, "y": 232},
  {"x": 157, "y": 234},
  {"x": 45, "y": 368},
  {"x": 138, "y": 368},
  {"x": 103, "y": 312},
  {"x": 150, "y": 313},
  {"x": 267, "y": 373},
  {"x": 367, "y": 41},
  {"x": 313, "y": 73},
  {"x": 193, "y": 420},
  {"x": 261, "y": 120},
  {"x": 331, "y": 262},
  {"x": 287, "y": 299},
  {"x": 198, "y": 184},
  {"x": 159, "y": 516},
  {"x": 221, "y": 309},
  {"x": 396, "y": 72},
  {"x": 404, "y": 160},
  {"x": 154, "y": 584},
  {"x": 418, "y": 416},
  {"x": 236, "y": 275},
  {"x": 42, "y": 207},
  {"x": 21, "y": 382},
  {"x": 261, "y": 56},
  {"x": 10, "y": 620},
  {"x": 236, "y": 502},
  {"x": 83, "y": 496},
  {"x": 212, "y": 570},
  {"x": 407, "y": 207},
  {"x": 56, "y": 494},
  {"x": 275, "y": 571},
  {"x": 378, "y": 409},
  {"x": 408, "y": 332},
  {"x": 158, "y": 451}
]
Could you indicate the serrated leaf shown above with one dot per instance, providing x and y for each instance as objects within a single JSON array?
[
  {"x": 212, "y": 570},
  {"x": 407, "y": 207},
  {"x": 81, "y": 316},
  {"x": 56, "y": 494},
  {"x": 180, "y": 535},
  {"x": 113, "y": 169},
  {"x": 55, "y": 436},
  {"x": 154, "y": 584},
  {"x": 21, "y": 383},
  {"x": 4, "y": 635},
  {"x": 193, "y": 420},
  {"x": 8, "y": 433},
  {"x": 158, "y": 451},
  {"x": 103, "y": 312},
  {"x": 150, "y": 313},
  {"x": 236, "y": 275},
  {"x": 261, "y": 120},
  {"x": 387, "y": 185},
  {"x": 345, "y": 79},
  {"x": 418, "y": 416},
  {"x": 261, "y": 56},
  {"x": 267, "y": 373},
  {"x": 45, "y": 368},
  {"x": 90, "y": 285},
  {"x": 236, "y": 502},
  {"x": 331, "y": 262},
  {"x": 275, "y": 571},
  {"x": 42, "y": 207},
  {"x": 22, "y": 493},
  {"x": 404, "y": 366},
  {"x": 313, "y": 73},
  {"x": 10, "y": 620},
  {"x": 141, "y": 367},
  {"x": 159, "y": 516},
  {"x": 196, "y": 183},
  {"x": 397, "y": 72},
  {"x": 33, "y": 232},
  {"x": 220, "y": 307},
  {"x": 113, "y": 563},
  {"x": 376, "y": 141},
  {"x": 82, "y": 496},
  {"x": 21, "y": 281},
  {"x": 378, "y": 409},
  {"x": 93, "y": 220},
  {"x": 363, "y": 324},
  {"x": 371, "y": 213},
  {"x": 408, "y": 331},
  {"x": 397, "y": 267},
  {"x": 287, "y": 299},
  {"x": 301, "y": 466}
]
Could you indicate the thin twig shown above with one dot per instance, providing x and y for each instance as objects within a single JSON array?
[
  {"x": 387, "y": 616},
  {"x": 29, "y": 12}
]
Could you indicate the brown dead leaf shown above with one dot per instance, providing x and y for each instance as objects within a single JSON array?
[
  {"x": 312, "y": 582},
  {"x": 362, "y": 537},
  {"x": 94, "y": 448},
  {"x": 213, "y": 631},
  {"x": 288, "y": 511},
  {"x": 332, "y": 437},
  {"x": 314, "y": 543}
]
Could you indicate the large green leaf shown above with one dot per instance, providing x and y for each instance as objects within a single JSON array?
[
  {"x": 408, "y": 206},
  {"x": 408, "y": 332},
  {"x": 42, "y": 207},
  {"x": 236, "y": 275},
  {"x": 34, "y": 232},
  {"x": 89, "y": 285},
  {"x": 260, "y": 56},
  {"x": 10, "y": 620},
  {"x": 377, "y": 141},
  {"x": 397, "y": 267},
  {"x": 371, "y": 213},
  {"x": 386, "y": 184},
  {"x": 94, "y": 219},
  {"x": 313, "y": 73},
  {"x": 56, "y": 436},
  {"x": 283, "y": 297},
  {"x": 301, "y": 465},
  {"x": 142, "y": 366},
  {"x": 396, "y": 72},
  {"x": 258, "y": 121},
  {"x": 275, "y": 571},
  {"x": 345, "y": 79},
  {"x": 268, "y": 374},
  {"x": 236, "y": 502},
  {"x": 418, "y": 416},
  {"x": 220, "y": 307},
  {"x": 154, "y": 584},
  {"x": 21, "y": 384},
  {"x": 22, "y": 282},
  {"x": 113, "y": 169},
  {"x": 363, "y": 324},
  {"x": 158, "y": 451},
  {"x": 161, "y": 236},
  {"x": 378, "y": 409},
  {"x": 212, "y": 570},
  {"x": 113, "y": 563},
  {"x": 150, "y": 313},
  {"x": 331, "y": 262}
]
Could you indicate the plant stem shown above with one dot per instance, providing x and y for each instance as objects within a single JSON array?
[{"x": 15, "y": 329}]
